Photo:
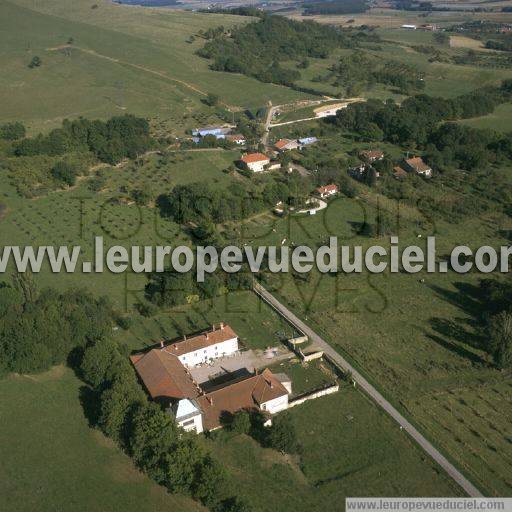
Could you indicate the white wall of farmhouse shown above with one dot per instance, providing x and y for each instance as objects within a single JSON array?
[
  {"x": 194, "y": 423},
  {"x": 275, "y": 405},
  {"x": 204, "y": 355},
  {"x": 258, "y": 166}
]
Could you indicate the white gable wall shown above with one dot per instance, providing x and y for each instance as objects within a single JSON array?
[{"x": 188, "y": 415}]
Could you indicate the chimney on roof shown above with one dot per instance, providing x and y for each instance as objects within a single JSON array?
[
  {"x": 184, "y": 337},
  {"x": 175, "y": 347},
  {"x": 222, "y": 326},
  {"x": 213, "y": 327},
  {"x": 161, "y": 343},
  {"x": 206, "y": 335}
]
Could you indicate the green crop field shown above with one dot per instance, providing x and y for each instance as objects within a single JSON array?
[{"x": 57, "y": 462}]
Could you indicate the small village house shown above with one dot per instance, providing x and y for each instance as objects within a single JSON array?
[
  {"x": 327, "y": 191},
  {"x": 283, "y": 145},
  {"x": 399, "y": 173},
  {"x": 417, "y": 165},
  {"x": 255, "y": 162},
  {"x": 236, "y": 138},
  {"x": 372, "y": 155},
  {"x": 218, "y": 342}
]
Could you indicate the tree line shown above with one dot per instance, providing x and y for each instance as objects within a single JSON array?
[
  {"x": 39, "y": 329},
  {"x": 336, "y": 7},
  {"x": 149, "y": 435},
  {"x": 12, "y": 131},
  {"x": 197, "y": 202},
  {"x": 362, "y": 68},
  {"x": 111, "y": 141}
]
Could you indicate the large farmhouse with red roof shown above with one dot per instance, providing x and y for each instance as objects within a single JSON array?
[
  {"x": 255, "y": 162},
  {"x": 165, "y": 373}
]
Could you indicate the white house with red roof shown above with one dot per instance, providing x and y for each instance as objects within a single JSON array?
[
  {"x": 255, "y": 162},
  {"x": 417, "y": 165},
  {"x": 218, "y": 342},
  {"x": 327, "y": 190}
]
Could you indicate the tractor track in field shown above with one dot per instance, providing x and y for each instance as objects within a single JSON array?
[{"x": 139, "y": 67}]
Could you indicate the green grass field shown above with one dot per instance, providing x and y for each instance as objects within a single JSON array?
[
  {"x": 257, "y": 325},
  {"x": 349, "y": 448},
  {"x": 52, "y": 460},
  {"x": 500, "y": 119},
  {"x": 415, "y": 340},
  {"x": 123, "y": 60}
]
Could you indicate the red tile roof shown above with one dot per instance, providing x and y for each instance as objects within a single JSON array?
[
  {"x": 236, "y": 136},
  {"x": 399, "y": 172},
  {"x": 327, "y": 188},
  {"x": 280, "y": 144},
  {"x": 372, "y": 154},
  {"x": 254, "y": 157},
  {"x": 417, "y": 164},
  {"x": 203, "y": 340},
  {"x": 245, "y": 394},
  {"x": 164, "y": 376}
]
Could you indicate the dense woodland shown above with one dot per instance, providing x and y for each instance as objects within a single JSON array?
[
  {"x": 360, "y": 68},
  {"x": 336, "y": 7},
  {"x": 199, "y": 201},
  {"x": 416, "y": 122},
  {"x": 259, "y": 48},
  {"x": 39, "y": 329}
]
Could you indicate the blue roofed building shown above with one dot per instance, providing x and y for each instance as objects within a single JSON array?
[{"x": 307, "y": 140}]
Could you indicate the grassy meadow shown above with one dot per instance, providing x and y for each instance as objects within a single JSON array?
[
  {"x": 349, "y": 448},
  {"x": 416, "y": 340},
  {"x": 123, "y": 60},
  {"x": 499, "y": 120},
  {"x": 52, "y": 460}
]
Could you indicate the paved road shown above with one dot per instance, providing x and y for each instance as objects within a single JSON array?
[
  {"x": 268, "y": 120},
  {"x": 454, "y": 473},
  {"x": 295, "y": 121}
]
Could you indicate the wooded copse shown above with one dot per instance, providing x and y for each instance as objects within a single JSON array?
[
  {"x": 416, "y": 122},
  {"x": 257, "y": 49},
  {"x": 111, "y": 141}
]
